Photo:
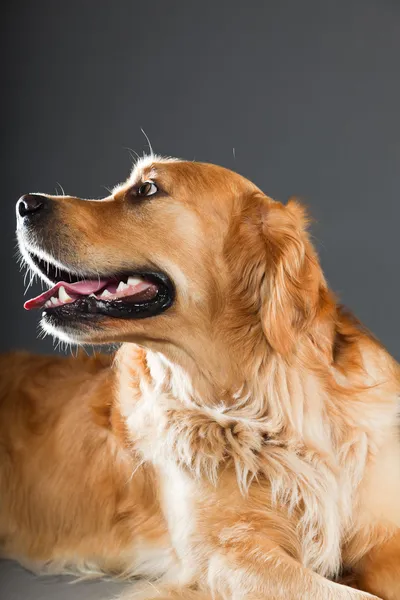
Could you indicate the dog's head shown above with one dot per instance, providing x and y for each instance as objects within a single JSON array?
[{"x": 182, "y": 253}]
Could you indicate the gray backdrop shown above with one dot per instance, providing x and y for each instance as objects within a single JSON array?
[{"x": 306, "y": 92}]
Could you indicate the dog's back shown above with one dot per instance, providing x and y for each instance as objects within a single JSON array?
[{"x": 68, "y": 499}]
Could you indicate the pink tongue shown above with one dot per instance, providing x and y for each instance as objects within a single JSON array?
[{"x": 82, "y": 288}]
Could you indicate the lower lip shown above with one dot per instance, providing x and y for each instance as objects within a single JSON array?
[{"x": 89, "y": 308}]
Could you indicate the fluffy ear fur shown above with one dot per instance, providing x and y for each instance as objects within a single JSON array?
[
  {"x": 276, "y": 277},
  {"x": 293, "y": 291}
]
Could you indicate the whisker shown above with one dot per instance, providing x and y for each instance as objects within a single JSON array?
[
  {"x": 61, "y": 188},
  {"x": 148, "y": 141},
  {"x": 133, "y": 154},
  {"x": 32, "y": 279}
]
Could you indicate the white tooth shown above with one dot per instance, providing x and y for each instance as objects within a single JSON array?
[
  {"x": 105, "y": 294},
  {"x": 54, "y": 300},
  {"x": 134, "y": 281},
  {"x": 63, "y": 296},
  {"x": 48, "y": 303},
  {"x": 122, "y": 286}
]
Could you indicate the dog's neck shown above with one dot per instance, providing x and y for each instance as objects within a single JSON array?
[
  {"x": 296, "y": 409},
  {"x": 168, "y": 422},
  {"x": 270, "y": 394}
]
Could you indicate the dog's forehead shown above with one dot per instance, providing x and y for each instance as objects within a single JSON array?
[
  {"x": 188, "y": 173},
  {"x": 189, "y": 180}
]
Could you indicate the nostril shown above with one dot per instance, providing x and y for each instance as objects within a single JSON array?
[{"x": 30, "y": 203}]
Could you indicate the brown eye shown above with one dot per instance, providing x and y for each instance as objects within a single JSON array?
[{"x": 148, "y": 188}]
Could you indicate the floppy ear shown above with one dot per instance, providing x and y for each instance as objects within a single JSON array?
[{"x": 293, "y": 290}]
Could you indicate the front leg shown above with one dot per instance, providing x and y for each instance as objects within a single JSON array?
[{"x": 252, "y": 567}]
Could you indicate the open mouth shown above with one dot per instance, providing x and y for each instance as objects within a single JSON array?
[{"x": 126, "y": 295}]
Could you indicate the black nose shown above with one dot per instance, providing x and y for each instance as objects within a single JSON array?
[{"x": 30, "y": 204}]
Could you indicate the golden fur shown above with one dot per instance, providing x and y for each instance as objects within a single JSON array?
[
  {"x": 243, "y": 444},
  {"x": 69, "y": 502}
]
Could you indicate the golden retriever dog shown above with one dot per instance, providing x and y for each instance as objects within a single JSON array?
[{"x": 243, "y": 443}]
